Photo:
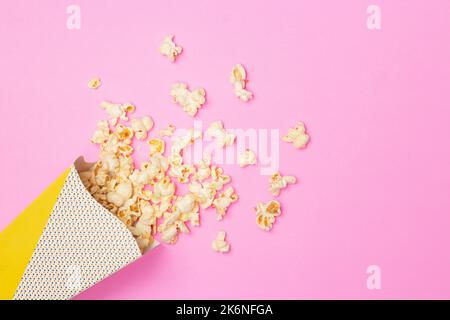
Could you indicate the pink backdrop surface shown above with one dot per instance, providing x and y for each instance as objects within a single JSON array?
[{"x": 374, "y": 182}]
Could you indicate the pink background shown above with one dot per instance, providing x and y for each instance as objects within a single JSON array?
[{"x": 374, "y": 181}]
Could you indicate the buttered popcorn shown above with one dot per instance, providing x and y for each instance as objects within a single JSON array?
[
  {"x": 247, "y": 158},
  {"x": 145, "y": 197},
  {"x": 266, "y": 214},
  {"x": 190, "y": 101},
  {"x": 141, "y": 127},
  {"x": 297, "y": 136},
  {"x": 169, "y": 49},
  {"x": 95, "y": 83},
  {"x": 278, "y": 182},
  {"x": 117, "y": 111},
  {"x": 223, "y": 201},
  {"x": 238, "y": 79},
  {"x": 220, "y": 244}
]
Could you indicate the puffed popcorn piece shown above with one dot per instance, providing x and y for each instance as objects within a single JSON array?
[
  {"x": 223, "y": 201},
  {"x": 297, "y": 136},
  {"x": 117, "y": 111},
  {"x": 169, "y": 49},
  {"x": 146, "y": 221},
  {"x": 266, "y": 214},
  {"x": 144, "y": 241},
  {"x": 101, "y": 134},
  {"x": 278, "y": 182},
  {"x": 124, "y": 133},
  {"x": 156, "y": 146},
  {"x": 190, "y": 101},
  {"x": 220, "y": 244},
  {"x": 203, "y": 169},
  {"x": 185, "y": 209},
  {"x": 248, "y": 157},
  {"x": 223, "y": 138},
  {"x": 168, "y": 132},
  {"x": 204, "y": 193},
  {"x": 238, "y": 79},
  {"x": 181, "y": 172},
  {"x": 141, "y": 127},
  {"x": 122, "y": 193},
  {"x": 94, "y": 83},
  {"x": 218, "y": 178},
  {"x": 163, "y": 190}
]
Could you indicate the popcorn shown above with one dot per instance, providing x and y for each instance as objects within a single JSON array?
[
  {"x": 122, "y": 193},
  {"x": 297, "y": 136},
  {"x": 217, "y": 131},
  {"x": 156, "y": 146},
  {"x": 117, "y": 111},
  {"x": 95, "y": 83},
  {"x": 190, "y": 101},
  {"x": 169, "y": 49},
  {"x": 220, "y": 244},
  {"x": 223, "y": 201},
  {"x": 219, "y": 179},
  {"x": 248, "y": 157},
  {"x": 181, "y": 172},
  {"x": 102, "y": 132},
  {"x": 203, "y": 170},
  {"x": 145, "y": 197},
  {"x": 141, "y": 127},
  {"x": 278, "y": 182},
  {"x": 185, "y": 209},
  {"x": 163, "y": 190},
  {"x": 266, "y": 214},
  {"x": 204, "y": 193},
  {"x": 238, "y": 79},
  {"x": 168, "y": 132},
  {"x": 146, "y": 222},
  {"x": 124, "y": 133}
]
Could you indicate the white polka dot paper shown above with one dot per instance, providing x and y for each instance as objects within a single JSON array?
[{"x": 81, "y": 244}]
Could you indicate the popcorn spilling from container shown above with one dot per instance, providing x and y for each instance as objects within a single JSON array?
[{"x": 146, "y": 198}]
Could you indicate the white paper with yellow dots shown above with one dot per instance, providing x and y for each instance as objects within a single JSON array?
[{"x": 63, "y": 243}]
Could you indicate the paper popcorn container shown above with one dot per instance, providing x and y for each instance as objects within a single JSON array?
[{"x": 63, "y": 243}]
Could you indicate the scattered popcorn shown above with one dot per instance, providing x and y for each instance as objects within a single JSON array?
[
  {"x": 297, "y": 136},
  {"x": 217, "y": 131},
  {"x": 248, "y": 157},
  {"x": 220, "y": 244},
  {"x": 145, "y": 197},
  {"x": 141, "y": 127},
  {"x": 169, "y": 49},
  {"x": 95, "y": 83},
  {"x": 117, "y": 111},
  {"x": 238, "y": 79},
  {"x": 267, "y": 213},
  {"x": 278, "y": 182},
  {"x": 168, "y": 132},
  {"x": 223, "y": 201},
  {"x": 190, "y": 101}
]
